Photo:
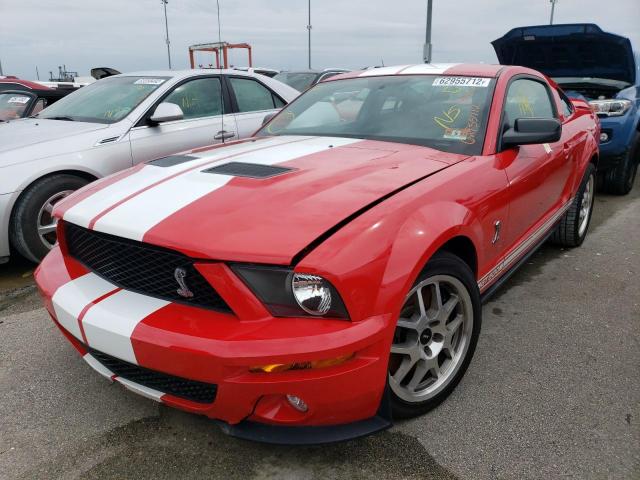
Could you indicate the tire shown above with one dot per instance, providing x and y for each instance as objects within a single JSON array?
[
  {"x": 620, "y": 180},
  {"x": 30, "y": 211},
  {"x": 574, "y": 225},
  {"x": 439, "y": 344}
]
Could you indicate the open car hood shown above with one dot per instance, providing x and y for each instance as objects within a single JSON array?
[{"x": 569, "y": 50}]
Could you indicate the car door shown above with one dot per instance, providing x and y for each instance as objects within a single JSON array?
[
  {"x": 537, "y": 173},
  {"x": 252, "y": 101},
  {"x": 201, "y": 100}
]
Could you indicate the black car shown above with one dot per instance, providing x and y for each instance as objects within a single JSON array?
[{"x": 21, "y": 98}]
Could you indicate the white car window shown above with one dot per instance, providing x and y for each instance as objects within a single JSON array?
[
  {"x": 251, "y": 96},
  {"x": 198, "y": 98}
]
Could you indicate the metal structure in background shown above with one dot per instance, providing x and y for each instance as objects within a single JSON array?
[
  {"x": 1, "y": 68},
  {"x": 166, "y": 28},
  {"x": 553, "y": 8},
  {"x": 309, "y": 35},
  {"x": 426, "y": 52},
  {"x": 217, "y": 48}
]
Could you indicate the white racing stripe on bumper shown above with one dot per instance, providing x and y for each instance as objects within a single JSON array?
[
  {"x": 98, "y": 367},
  {"x": 71, "y": 298},
  {"x": 138, "y": 215},
  {"x": 108, "y": 325},
  {"x": 140, "y": 389},
  {"x": 86, "y": 210}
]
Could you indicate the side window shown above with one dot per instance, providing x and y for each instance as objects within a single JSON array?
[
  {"x": 251, "y": 95},
  {"x": 278, "y": 102},
  {"x": 527, "y": 98},
  {"x": 567, "y": 106},
  {"x": 198, "y": 98},
  {"x": 39, "y": 106}
]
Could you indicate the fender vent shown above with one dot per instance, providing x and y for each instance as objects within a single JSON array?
[
  {"x": 251, "y": 170},
  {"x": 107, "y": 140},
  {"x": 171, "y": 160}
]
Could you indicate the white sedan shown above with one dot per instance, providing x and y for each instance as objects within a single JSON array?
[{"x": 113, "y": 124}]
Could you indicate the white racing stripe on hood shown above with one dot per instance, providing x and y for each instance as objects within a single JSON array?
[
  {"x": 71, "y": 298},
  {"x": 108, "y": 325},
  {"x": 138, "y": 215},
  {"x": 86, "y": 210}
]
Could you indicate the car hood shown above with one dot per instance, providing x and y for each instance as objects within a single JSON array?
[
  {"x": 232, "y": 204},
  {"x": 569, "y": 50},
  {"x": 33, "y": 132}
]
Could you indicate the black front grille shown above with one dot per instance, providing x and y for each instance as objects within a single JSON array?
[
  {"x": 180, "y": 387},
  {"x": 141, "y": 267}
]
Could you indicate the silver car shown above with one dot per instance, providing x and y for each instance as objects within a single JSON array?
[{"x": 113, "y": 124}]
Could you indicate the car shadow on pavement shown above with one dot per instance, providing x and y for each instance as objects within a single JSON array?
[{"x": 180, "y": 445}]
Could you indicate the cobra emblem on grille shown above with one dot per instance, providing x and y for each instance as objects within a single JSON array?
[{"x": 180, "y": 275}]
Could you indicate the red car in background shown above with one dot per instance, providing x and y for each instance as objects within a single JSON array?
[
  {"x": 310, "y": 283},
  {"x": 23, "y": 98}
]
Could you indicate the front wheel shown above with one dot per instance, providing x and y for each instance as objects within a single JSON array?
[
  {"x": 435, "y": 336},
  {"x": 33, "y": 228},
  {"x": 620, "y": 180}
]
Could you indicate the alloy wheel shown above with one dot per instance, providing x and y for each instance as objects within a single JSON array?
[
  {"x": 586, "y": 205},
  {"x": 47, "y": 222},
  {"x": 431, "y": 339}
]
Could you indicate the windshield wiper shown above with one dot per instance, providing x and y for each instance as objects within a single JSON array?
[{"x": 61, "y": 117}]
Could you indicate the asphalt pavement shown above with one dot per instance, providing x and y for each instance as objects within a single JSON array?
[{"x": 552, "y": 392}]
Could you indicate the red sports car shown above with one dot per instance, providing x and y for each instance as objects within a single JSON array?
[{"x": 309, "y": 283}]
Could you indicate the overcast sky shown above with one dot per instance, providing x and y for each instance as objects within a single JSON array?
[{"x": 129, "y": 34}]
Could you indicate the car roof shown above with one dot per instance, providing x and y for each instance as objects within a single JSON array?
[
  {"x": 462, "y": 69},
  {"x": 185, "y": 73}
]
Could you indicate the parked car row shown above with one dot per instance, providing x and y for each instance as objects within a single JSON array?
[{"x": 323, "y": 272}]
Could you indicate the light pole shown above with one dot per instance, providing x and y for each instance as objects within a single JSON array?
[
  {"x": 309, "y": 34},
  {"x": 553, "y": 7},
  {"x": 426, "y": 51},
  {"x": 166, "y": 28}
]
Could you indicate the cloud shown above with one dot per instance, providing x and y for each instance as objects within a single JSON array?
[{"x": 129, "y": 35}]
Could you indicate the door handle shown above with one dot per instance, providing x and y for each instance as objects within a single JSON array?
[{"x": 224, "y": 135}]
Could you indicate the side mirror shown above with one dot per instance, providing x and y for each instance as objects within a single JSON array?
[
  {"x": 166, "y": 112},
  {"x": 268, "y": 117},
  {"x": 527, "y": 131}
]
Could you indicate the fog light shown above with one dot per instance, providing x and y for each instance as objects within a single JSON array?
[
  {"x": 604, "y": 137},
  {"x": 297, "y": 403}
]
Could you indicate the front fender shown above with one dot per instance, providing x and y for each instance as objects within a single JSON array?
[{"x": 374, "y": 260}]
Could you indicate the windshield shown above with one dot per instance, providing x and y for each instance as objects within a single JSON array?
[
  {"x": 105, "y": 101},
  {"x": 13, "y": 105},
  {"x": 299, "y": 81},
  {"x": 446, "y": 113}
]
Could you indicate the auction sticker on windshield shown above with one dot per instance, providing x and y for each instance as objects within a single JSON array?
[
  {"x": 21, "y": 100},
  {"x": 461, "y": 82},
  {"x": 149, "y": 81}
]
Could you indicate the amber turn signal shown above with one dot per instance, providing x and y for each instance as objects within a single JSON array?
[{"x": 283, "y": 367}]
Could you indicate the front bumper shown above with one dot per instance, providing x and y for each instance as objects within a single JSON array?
[{"x": 344, "y": 401}]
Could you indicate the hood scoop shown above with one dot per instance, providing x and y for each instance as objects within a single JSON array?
[
  {"x": 250, "y": 170},
  {"x": 171, "y": 160}
]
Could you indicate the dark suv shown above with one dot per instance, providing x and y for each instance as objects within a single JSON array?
[{"x": 599, "y": 67}]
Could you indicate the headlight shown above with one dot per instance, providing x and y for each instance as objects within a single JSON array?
[
  {"x": 286, "y": 293},
  {"x": 312, "y": 293},
  {"x": 610, "y": 108}
]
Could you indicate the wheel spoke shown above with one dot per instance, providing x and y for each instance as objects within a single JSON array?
[
  {"x": 407, "y": 323},
  {"x": 418, "y": 374},
  {"x": 436, "y": 297},
  {"x": 44, "y": 229},
  {"x": 403, "y": 348},
  {"x": 403, "y": 369},
  {"x": 447, "y": 308},
  {"x": 454, "y": 324}
]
